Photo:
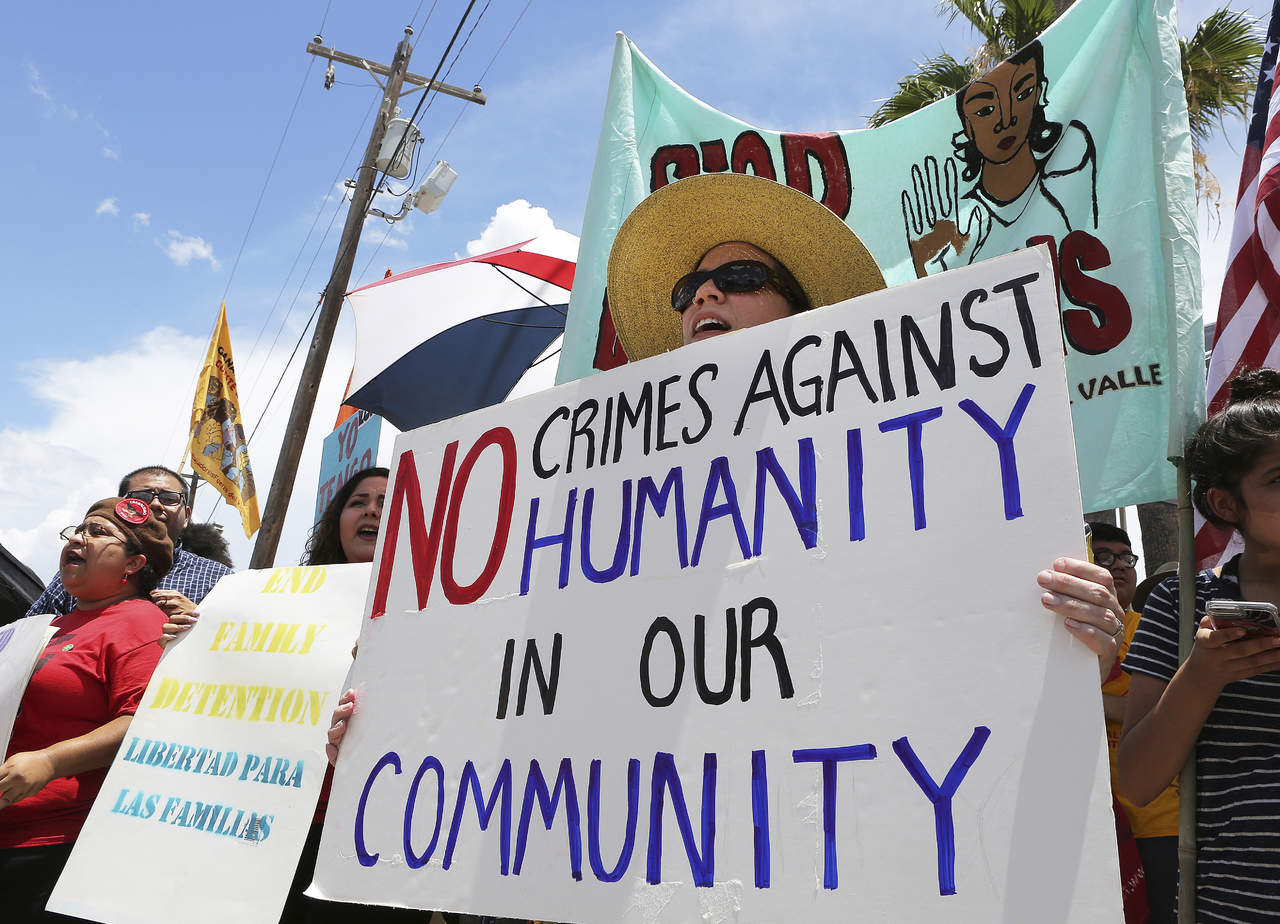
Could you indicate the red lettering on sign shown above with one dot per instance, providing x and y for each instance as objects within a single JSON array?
[
  {"x": 1103, "y": 318},
  {"x": 684, "y": 157},
  {"x": 750, "y": 150},
  {"x": 714, "y": 158},
  {"x": 457, "y": 594},
  {"x": 833, "y": 163},
  {"x": 406, "y": 494}
]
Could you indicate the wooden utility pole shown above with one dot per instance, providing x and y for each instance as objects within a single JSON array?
[{"x": 264, "y": 550}]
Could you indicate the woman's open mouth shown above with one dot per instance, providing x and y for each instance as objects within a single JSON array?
[{"x": 709, "y": 327}]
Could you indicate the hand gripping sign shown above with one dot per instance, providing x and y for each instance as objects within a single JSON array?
[{"x": 746, "y": 631}]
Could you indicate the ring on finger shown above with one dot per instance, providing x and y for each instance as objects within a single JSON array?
[{"x": 1119, "y": 630}]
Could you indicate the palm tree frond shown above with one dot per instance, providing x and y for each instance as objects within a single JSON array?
[
  {"x": 980, "y": 16},
  {"x": 1022, "y": 21},
  {"x": 936, "y": 78},
  {"x": 1219, "y": 69}
]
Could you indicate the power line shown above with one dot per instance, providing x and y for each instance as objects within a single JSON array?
[
  {"x": 504, "y": 41},
  {"x": 456, "y": 120},
  {"x": 459, "y": 53},
  {"x": 430, "y": 12},
  {"x": 265, "y": 183},
  {"x": 364, "y": 272},
  {"x": 315, "y": 219},
  {"x": 257, "y": 205},
  {"x": 301, "y": 282},
  {"x": 325, "y": 18},
  {"x": 306, "y": 327}
]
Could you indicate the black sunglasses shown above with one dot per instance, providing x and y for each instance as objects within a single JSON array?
[
  {"x": 734, "y": 276},
  {"x": 166, "y": 498}
]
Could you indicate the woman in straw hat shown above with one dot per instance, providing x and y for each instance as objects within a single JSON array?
[
  {"x": 727, "y": 251},
  {"x": 715, "y": 253},
  {"x": 79, "y": 702}
]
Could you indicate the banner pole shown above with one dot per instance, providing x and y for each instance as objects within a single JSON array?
[{"x": 1186, "y": 638}]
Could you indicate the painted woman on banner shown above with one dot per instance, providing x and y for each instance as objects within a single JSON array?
[{"x": 1019, "y": 162}]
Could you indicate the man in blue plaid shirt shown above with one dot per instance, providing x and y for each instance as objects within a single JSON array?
[{"x": 191, "y": 577}]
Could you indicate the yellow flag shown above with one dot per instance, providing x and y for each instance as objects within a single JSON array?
[{"x": 219, "y": 451}]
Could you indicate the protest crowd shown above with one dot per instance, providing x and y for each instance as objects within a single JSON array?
[{"x": 698, "y": 259}]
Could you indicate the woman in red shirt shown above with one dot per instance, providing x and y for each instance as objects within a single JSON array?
[{"x": 81, "y": 697}]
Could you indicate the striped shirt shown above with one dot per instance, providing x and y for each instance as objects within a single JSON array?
[
  {"x": 191, "y": 575},
  {"x": 1237, "y": 764}
]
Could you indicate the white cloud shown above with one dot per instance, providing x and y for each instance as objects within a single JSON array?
[
  {"x": 51, "y": 472},
  {"x": 183, "y": 248},
  {"x": 514, "y": 223},
  {"x": 141, "y": 220},
  {"x": 76, "y": 455},
  {"x": 110, "y": 147},
  {"x": 36, "y": 86},
  {"x": 108, "y": 206}
]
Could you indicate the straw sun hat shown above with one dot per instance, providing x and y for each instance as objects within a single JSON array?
[{"x": 666, "y": 235}]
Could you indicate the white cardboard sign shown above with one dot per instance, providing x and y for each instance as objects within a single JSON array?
[
  {"x": 210, "y": 797},
  {"x": 21, "y": 644},
  {"x": 745, "y": 632}
]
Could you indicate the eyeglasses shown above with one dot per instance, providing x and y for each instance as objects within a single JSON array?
[
  {"x": 91, "y": 531},
  {"x": 1107, "y": 559},
  {"x": 166, "y": 498},
  {"x": 734, "y": 276}
]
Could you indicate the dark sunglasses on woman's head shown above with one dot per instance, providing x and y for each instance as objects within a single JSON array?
[
  {"x": 167, "y": 498},
  {"x": 734, "y": 276}
]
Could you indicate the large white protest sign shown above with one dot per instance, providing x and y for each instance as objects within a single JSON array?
[
  {"x": 21, "y": 643},
  {"x": 749, "y": 631},
  {"x": 210, "y": 797}
]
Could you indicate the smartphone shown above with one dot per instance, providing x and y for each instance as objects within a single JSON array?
[{"x": 1257, "y": 618}]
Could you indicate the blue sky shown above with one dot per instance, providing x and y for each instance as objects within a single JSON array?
[{"x": 140, "y": 136}]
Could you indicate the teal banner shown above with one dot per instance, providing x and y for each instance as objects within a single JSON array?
[{"x": 1079, "y": 141}]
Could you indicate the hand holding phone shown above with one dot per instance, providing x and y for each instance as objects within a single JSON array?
[{"x": 1256, "y": 618}]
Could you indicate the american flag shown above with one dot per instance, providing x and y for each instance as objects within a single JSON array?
[{"x": 1248, "y": 328}]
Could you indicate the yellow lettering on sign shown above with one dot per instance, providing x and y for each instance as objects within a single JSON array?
[
  {"x": 241, "y": 702},
  {"x": 165, "y": 693},
  {"x": 294, "y": 581},
  {"x": 266, "y": 637},
  {"x": 277, "y": 583}
]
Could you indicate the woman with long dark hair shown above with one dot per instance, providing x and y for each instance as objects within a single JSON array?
[
  {"x": 348, "y": 529},
  {"x": 346, "y": 533}
]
